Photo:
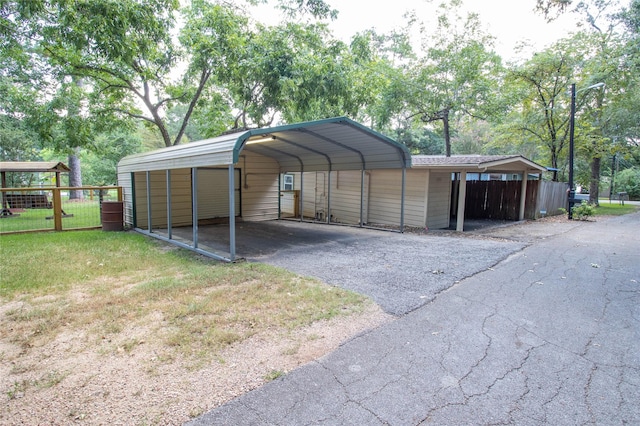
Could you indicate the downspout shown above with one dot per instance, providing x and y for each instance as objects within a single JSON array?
[{"x": 425, "y": 217}]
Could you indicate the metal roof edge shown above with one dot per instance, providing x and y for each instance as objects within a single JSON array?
[
  {"x": 239, "y": 145},
  {"x": 406, "y": 155},
  {"x": 34, "y": 166},
  {"x": 180, "y": 147},
  {"x": 511, "y": 159}
]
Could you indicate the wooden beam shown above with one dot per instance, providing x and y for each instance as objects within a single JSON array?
[
  {"x": 462, "y": 194},
  {"x": 523, "y": 195}
]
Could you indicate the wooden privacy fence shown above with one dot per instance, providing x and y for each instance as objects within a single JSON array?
[
  {"x": 500, "y": 200},
  {"x": 50, "y": 209},
  {"x": 552, "y": 196},
  {"x": 497, "y": 199}
]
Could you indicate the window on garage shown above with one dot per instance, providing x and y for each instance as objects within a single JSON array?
[{"x": 287, "y": 182}]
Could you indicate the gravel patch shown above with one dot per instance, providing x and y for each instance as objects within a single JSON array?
[{"x": 400, "y": 272}]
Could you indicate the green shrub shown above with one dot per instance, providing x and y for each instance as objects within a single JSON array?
[
  {"x": 629, "y": 181},
  {"x": 583, "y": 211}
]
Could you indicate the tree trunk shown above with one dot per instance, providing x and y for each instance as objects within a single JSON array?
[
  {"x": 554, "y": 166},
  {"x": 447, "y": 135},
  {"x": 594, "y": 184},
  {"x": 75, "y": 175}
]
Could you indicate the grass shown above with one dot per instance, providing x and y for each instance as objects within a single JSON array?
[
  {"x": 79, "y": 214},
  {"x": 614, "y": 209},
  {"x": 51, "y": 379},
  {"x": 126, "y": 289}
]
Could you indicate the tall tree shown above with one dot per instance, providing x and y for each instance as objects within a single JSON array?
[
  {"x": 543, "y": 113},
  {"x": 127, "y": 52},
  {"x": 380, "y": 75},
  {"x": 603, "y": 48},
  {"x": 458, "y": 73}
]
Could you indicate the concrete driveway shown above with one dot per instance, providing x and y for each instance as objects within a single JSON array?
[{"x": 544, "y": 331}]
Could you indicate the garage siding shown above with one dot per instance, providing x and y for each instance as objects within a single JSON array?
[
  {"x": 180, "y": 198},
  {"x": 213, "y": 193},
  {"x": 439, "y": 200},
  {"x": 124, "y": 180},
  {"x": 259, "y": 187},
  {"x": 345, "y": 196},
  {"x": 313, "y": 192},
  {"x": 385, "y": 197},
  {"x": 257, "y": 182}
]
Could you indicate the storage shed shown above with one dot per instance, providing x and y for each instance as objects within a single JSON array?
[
  {"x": 250, "y": 175},
  {"x": 514, "y": 168}
]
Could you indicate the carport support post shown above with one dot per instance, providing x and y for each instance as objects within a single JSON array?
[
  {"x": 462, "y": 195},
  {"x": 134, "y": 207},
  {"x": 169, "y": 231},
  {"x": 329, "y": 196},
  {"x": 232, "y": 213},
  {"x": 523, "y": 194},
  {"x": 148, "y": 176},
  {"x": 280, "y": 196},
  {"x": 404, "y": 181},
  {"x": 301, "y": 194},
  {"x": 361, "y": 198},
  {"x": 194, "y": 205}
]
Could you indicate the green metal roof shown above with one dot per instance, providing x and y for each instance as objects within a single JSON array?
[{"x": 331, "y": 144}]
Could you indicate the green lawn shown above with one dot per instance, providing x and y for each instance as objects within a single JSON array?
[
  {"x": 81, "y": 214},
  {"x": 101, "y": 283},
  {"x": 614, "y": 209}
]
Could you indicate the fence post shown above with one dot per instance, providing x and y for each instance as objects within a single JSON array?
[{"x": 57, "y": 209}]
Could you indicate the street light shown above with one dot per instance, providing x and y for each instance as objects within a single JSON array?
[{"x": 572, "y": 123}]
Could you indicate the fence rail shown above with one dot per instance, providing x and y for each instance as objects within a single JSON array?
[{"x": 53, "y": 209}]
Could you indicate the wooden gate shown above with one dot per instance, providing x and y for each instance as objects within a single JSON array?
[{"x": 499, "y": 200}]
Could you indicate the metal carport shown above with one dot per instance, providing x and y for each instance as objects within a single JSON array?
[{"x": 334, "y": 144}]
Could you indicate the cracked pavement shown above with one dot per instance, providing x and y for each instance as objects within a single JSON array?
[{"x": 548, "y": 335}]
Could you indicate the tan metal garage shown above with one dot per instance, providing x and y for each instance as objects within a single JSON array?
[
  {"x": 241, "y": 176},
  {"x": 332, "y": 171}
]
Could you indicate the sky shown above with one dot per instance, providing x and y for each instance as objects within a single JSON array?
[{"x": 510, "y": 21}]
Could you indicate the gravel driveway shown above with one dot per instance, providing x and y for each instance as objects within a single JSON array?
[{"x": 401, "y": 272}]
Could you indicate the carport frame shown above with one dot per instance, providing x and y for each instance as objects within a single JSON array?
[{"x": 225, "y": 150}]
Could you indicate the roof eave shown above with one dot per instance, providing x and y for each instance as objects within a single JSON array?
[{"x": 530, "y": 165}]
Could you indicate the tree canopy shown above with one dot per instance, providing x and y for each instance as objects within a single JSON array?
[{"x": 98, "y": 75}]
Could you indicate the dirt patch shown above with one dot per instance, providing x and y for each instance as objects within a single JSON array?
[{"x": 69, "y": 380}]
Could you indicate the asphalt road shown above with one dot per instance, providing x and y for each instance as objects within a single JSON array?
[{"x": 549, "y": 333}]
